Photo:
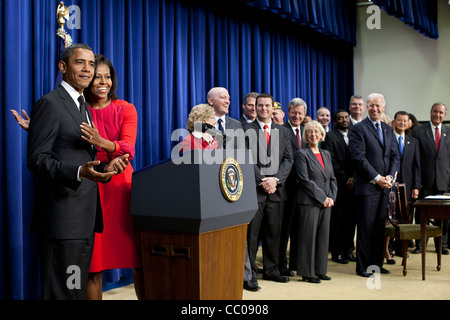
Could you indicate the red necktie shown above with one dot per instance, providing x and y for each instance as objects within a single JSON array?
[
  {"x": 266, "y": 132},
  {"x": 437, "y": 138},
  {"x": 298, "y": 138}
]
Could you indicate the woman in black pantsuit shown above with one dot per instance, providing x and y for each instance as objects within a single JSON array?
[{"x": 315, "y": 197}]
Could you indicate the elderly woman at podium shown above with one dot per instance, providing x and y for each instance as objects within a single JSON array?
[
  {"x": 200, "y": 124},
  {"x": 315, "y": 197}
]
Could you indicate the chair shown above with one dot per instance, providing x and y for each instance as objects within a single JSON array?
[{"x": 401, "y": 226}]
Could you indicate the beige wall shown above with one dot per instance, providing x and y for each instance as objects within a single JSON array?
[{"x": 411, "y": 70}]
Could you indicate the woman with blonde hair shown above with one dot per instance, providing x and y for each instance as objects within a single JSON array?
[
  {"x": 200, "y": 119},
  {"x": 315, "y": 196}
]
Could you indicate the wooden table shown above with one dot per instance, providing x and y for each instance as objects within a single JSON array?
[{"x": 432, "y": 209}]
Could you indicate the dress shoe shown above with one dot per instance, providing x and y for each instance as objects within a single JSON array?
[
  {"x": 251, "y": 286},
  {"x": 390, "y": 261},
  {"x": 351, "y": 258},
  {"x": 384, "y": 271},
  {"x": 417, "y": 250},
  {"x": 445, "y": 251},
  {"x": 275, "y": 277},
  {"x": 340, "y": 259},
  {"x": 323, "y": 277},
  {"x": 364, "y": 274},
  {"x": 311, "y": 279},
  {"x": 287, "y": 273}
]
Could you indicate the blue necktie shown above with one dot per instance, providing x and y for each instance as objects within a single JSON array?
[
  {"x": 400, "y": 144},
  {"x": 380, "y": 133},
  {"x": 220, "y": 127}
]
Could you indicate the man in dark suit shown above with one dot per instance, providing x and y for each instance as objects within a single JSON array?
[
  {"x": 249, "y": 108},
  {"x": 356, "y": 109},
  {"x": 409, "y": 172},
  {"x": 271, "y": 148},
  {"x": 434, "y": 145},
  {"x": 374, "y": 150},
  {"x": 67, "y": 209},
  {"x": 343, "y": 216},
  {"x": 409, "y": 169},
  {"x": 296, "y": 111},
  {"x": 219, "y": 99}
]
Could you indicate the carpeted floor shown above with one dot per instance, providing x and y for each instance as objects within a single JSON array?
[{"x": 346, "y": 285}]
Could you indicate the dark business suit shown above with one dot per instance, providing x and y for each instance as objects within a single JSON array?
[
  {"x": 289, "y": 228},
  {"x": 316, "y": 184},
  {"x": 409, "y": 172},
  {"x": 372, "y": 158},
  {"x": 343, "y": 217},
  {"x": 243, "y": 121},
  {"x": 234, "y": 132},
  {"x": 273, "y": 161},
  {"x": 435, "y": 166},
  {"x": 65, "y": 209}
]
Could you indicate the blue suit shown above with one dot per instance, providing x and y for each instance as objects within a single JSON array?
[{"x": 372, "y": 157}]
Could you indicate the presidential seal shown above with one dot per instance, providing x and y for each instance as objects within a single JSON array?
[{"x": 231, "y": 179}]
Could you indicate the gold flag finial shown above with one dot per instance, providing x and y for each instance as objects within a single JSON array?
[{"x": 62, "y": 13}]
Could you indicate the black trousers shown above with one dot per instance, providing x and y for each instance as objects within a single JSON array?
[
  {"x": 343, "y": 225},
  {"x": 64, "y": 267},
  {"x": 266, "y": 221},
  {"x": 371, "y": 220},
  {"x": 289, "y": 230}
]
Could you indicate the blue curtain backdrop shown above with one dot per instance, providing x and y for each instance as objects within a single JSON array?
[
  {"x": 167, "y": 54},
  {"x": 419, "y": 14},
  {"x": 333, "y": 18}
]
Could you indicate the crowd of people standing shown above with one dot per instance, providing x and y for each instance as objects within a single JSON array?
[{"x": 321, "y": 184}]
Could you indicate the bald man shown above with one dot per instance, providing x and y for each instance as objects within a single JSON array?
[{"x": 219, "y": 99}]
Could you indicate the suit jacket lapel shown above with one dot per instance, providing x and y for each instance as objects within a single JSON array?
[
  {"x": 430, "y": 135},
  {"x": 387, "y": 138},
  {"x": 89, "y": 115},
  {"x": 444, "y": 137},
  {"x": 406, "y": 147},
  {"x": 70, "y": 105},
  {"x": 315, "y": 160},
  {"x": 261, "y": 139},
  {"x": 293, "y": 136},
  {"x": 341, "y": 138},
  {"x": 373, "y": 130}
]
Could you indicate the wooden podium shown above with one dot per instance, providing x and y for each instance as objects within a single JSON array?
[{"x": 192, "y": 223}]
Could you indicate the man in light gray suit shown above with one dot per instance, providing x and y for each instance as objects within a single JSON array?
[{"x": 219, "y": 99}]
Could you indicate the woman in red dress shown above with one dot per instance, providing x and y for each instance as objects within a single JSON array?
[
  {"x": 114, "y": 134},
  {"x": 199, "y": 120}
]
